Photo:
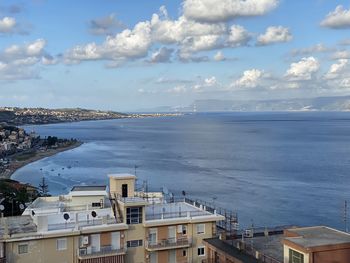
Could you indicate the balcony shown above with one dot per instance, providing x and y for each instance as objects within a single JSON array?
[
  {"x": 2, "y": 260},
  {"x": 171, "y": 243},
  {"x": 90, "y": 256}
]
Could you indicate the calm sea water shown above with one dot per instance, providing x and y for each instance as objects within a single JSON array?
[{"x": 272, "y": 168}]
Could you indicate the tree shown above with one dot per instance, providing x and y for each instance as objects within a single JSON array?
[{"x": 43, "y": 188}]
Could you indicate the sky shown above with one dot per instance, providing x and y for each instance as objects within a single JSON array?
[{"x": 127, "y": 55}]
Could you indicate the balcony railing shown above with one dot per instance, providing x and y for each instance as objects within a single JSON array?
[
  {"x": 105, "y": 251},
  {"x": 80, "y": 224},
  {"x": 2, "y": 260},
  {"x": 182, "y": 214},
  {"x": 168, "y": 244}
]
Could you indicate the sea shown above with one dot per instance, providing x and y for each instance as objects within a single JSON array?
[{"x": 280, "y": 168}]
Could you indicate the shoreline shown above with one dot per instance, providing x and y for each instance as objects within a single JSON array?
[{"x": 15, "y": 165}]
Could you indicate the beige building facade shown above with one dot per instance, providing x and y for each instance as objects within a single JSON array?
[{"x": 94, "y": 224}]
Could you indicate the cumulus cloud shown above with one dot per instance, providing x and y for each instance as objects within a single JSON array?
[
  {"x": 318, "y": 48},
  {"x": 163, "y": 55},
  {"x": 342, "y": 54},
  {"x": 337, "y": 19},
  {"x": 275, "y": 34},
  {"x": 7, "y": 25},
  {"x": 238, "y": 36},
  {"x": 18, "y": 61},
  {"x": 167, "y": 31},
  {"x": 104, "y": 25},
  {"x": 224, "y": 10},
  {"x": 303, "y": 70},
  {"x": 249, "y": 79},
  {"x": 178, "y": 89},
  {"x": 336, "y": 69},
  {"x": 219, "y": 56},
  {"x": 130, "y": 44}
]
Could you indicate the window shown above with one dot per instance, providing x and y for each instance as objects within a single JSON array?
[
  {"x": 200, "y": 229},
  {"x": 134, "y": 243},
  {"x": 22, "y": 248},
  {"x": 201, "y": 251},
  {"x": 182, "y": 229},
  {"x": 61, "y": 244},
  {"x": 184, "y": 253},
  {"x": 96, "y": 204},
  {"x": 133, "y": 215},
  {"x": 295, "y": 257}
]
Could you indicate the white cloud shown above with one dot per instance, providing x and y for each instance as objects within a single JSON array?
[
  {"x": 178, "y": 89},
  {"x": 337, "y": 19},
  {"x": 104, "y": 25},
  {"x": 162, "y": 55},
  {"x": 19, "y": 61},
  {"x": 7, "y": 24},
  {"x": 238, "y": 36},
  {"x": 210, "y": 81},
  {"x": 275, "y": 34},
  {"x": 219, "y": 56},
  {"x": 224, "y": 10},
  {"x": 168, "y": 31},
  {"x": 336, "y": 69},
  {"x": 318, "y": 48},
  {"x": 127, "y": 44},
  {"x": 343, "y": 54},
  {"x": 303, "y": 70},
  {"x": 250, "y": 79}
]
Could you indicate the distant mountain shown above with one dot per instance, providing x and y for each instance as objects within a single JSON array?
[{"x": 314, "y": 104}]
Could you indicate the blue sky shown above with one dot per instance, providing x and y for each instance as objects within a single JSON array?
[{"x": 128, "y": 55}]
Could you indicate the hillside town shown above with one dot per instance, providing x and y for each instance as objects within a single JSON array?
[
  {"x": 18, "y": 148},
  {"x": 21, "y": 116}
]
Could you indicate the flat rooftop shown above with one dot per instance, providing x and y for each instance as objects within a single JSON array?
[
  {"x": 309, "y": 237},
  {"x": 122, "y": 176},
  {"x": 230, "y": 250},
  {"x": 173, "y": 210},
  {"x": 81, "y": 188},
  {"x": 18, "y": 224}
]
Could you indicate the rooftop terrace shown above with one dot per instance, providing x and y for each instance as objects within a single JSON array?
[{"x": 310, "y": 237}]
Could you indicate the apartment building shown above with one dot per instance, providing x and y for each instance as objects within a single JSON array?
[
  {"x": 94, "y": 224},
  {"x": 318, "y": 244}
]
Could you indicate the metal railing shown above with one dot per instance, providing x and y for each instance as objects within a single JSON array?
[
  {"x": 103, "y": 252},
  {"x": 250, "y": 250},
  {"x": 182, "y": 214},
  {"x": 80, "y": 224},
  {"x": 168, "y": 243}
]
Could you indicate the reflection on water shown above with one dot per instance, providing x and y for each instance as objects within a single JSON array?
[{"x": 273, "y": 168}]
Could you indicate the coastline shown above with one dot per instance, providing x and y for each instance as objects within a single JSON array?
[{"x": 15, "y": 165}]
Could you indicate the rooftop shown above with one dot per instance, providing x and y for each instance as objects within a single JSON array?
[
  {"x": 309, "y": 237},
  {"x": 17, "y": 224},
  {"x": 230, "y": 250},
  {"x": 89, "y": 188},
  {"x": 122, "y": 176}
]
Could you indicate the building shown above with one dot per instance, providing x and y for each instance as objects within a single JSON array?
[
  {"x": 92, "y": 224},
  {"x": 317, "y": 244}
]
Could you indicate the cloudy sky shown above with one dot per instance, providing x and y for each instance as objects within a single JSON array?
[{"x": 131, "y": 54}]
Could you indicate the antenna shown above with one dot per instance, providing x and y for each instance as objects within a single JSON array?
[{"x": 346, "y": 216}]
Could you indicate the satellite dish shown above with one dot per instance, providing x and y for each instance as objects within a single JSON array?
[
  {"x": 66, "y": 216},
  {"x": 21, "y": 206},
  {"x": 93, "y": 213},
  {"x": 2, "y": 208}
]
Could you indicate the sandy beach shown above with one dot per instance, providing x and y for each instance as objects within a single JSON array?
[{"x": 16, "y": 164}]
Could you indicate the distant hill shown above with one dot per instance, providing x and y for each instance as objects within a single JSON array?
[
  {"x": 341, "y": 103},
  {"x": 21, "y": 116},
  {"x": 313, "y": 104}
]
